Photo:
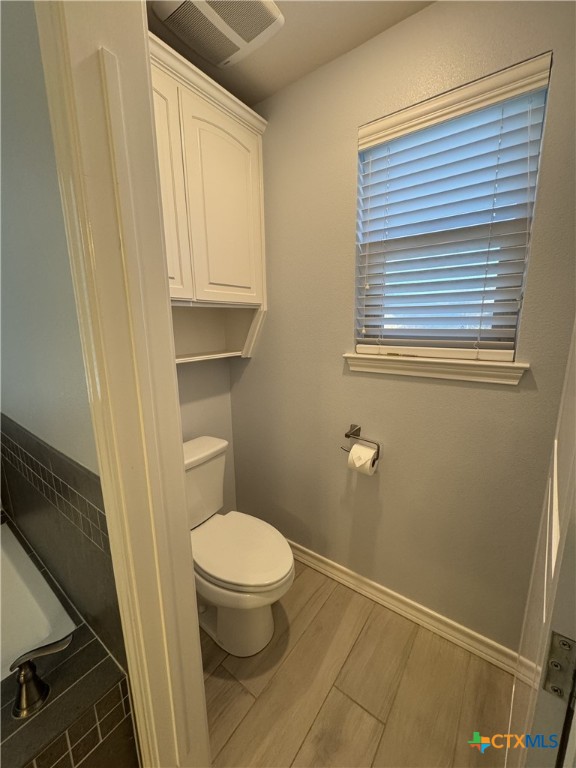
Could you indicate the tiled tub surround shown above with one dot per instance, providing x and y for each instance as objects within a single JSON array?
[
  {"x": 99, "y": 738},
  {"x": 87, "y": 516},
  {"x": 87, "y": 716},
  {"x": 55, "y": 507}
]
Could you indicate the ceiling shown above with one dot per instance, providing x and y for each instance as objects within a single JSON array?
[{"x": 314, "y": 33}]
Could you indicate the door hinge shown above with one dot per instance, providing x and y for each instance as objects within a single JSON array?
[{"x": 560, "y": 666}]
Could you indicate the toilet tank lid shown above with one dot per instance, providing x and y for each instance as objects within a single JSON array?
[{"x": 201, "y": 449}]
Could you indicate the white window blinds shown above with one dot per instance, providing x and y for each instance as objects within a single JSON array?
[{"x": 444, "y": 217}]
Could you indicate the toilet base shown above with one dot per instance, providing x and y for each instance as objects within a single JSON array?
[{"x": 238, "y": 631}]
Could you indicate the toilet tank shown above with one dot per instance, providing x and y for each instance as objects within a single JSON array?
[{"x": 204, "y": 460}]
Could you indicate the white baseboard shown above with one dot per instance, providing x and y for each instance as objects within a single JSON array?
[{"x": 481, "y": 646}]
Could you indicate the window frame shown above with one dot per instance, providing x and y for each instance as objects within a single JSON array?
[{"x": 490, "y": 366}]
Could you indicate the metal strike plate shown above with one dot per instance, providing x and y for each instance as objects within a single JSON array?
[{"x": 560, "y": 666}]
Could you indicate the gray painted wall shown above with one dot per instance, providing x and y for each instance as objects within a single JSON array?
[
  {"x": 43, "y": 381},
  {"x": 206, "y": 409},
  {"x": 450, "y": 518}
]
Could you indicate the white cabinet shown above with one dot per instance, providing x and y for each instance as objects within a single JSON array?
[
  {"x": 172, "y": 188},
  {"x": 222, "y": 166},
  {"x": 209, "y": 156}
]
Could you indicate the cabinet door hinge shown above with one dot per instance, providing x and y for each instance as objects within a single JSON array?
[{"x": 560, "y": 667}]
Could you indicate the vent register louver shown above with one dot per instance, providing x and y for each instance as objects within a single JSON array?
[{"x": 221, "y": 31}]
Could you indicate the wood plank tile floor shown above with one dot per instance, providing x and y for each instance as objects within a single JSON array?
[{"x": 346, "y": 682}]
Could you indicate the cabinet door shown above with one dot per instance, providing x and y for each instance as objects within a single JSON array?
[
  {"x": 172, "y": 189},
  {"x": 223, "y": 186}
]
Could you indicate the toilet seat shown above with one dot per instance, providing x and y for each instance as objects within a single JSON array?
[
  {"x": 242, "y": 589},
  {"x": 241, "y": 553}
]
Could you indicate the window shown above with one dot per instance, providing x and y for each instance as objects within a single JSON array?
[{"x": 445, "y": 202}]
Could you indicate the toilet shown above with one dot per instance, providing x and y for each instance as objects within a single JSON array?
[{"x": 242, "y": 565}]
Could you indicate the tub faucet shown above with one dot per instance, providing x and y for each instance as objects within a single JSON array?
[{"x": 31, "y": 690}]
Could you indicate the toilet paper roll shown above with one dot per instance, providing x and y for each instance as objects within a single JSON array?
[{"x": 361, "y": 457}]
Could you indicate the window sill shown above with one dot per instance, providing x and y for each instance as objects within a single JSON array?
[{"x": 486, "y": 371}]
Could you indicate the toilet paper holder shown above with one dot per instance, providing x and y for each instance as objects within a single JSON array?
[{"x": 354, "y": 433}]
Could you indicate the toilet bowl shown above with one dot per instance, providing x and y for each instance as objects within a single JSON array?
[{"x": 242, "y": 565}]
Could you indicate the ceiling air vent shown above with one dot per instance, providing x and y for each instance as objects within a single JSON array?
[{"x": 221, "y": 31}]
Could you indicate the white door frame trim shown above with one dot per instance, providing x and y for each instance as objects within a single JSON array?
[
  {"x": 95, "y": 59},
  {"x": 541, "y": 601}
]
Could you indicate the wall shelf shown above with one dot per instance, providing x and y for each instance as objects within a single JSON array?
[
  {"x": 207, "y": 356},
  {"x": 211, "y": 333}
]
